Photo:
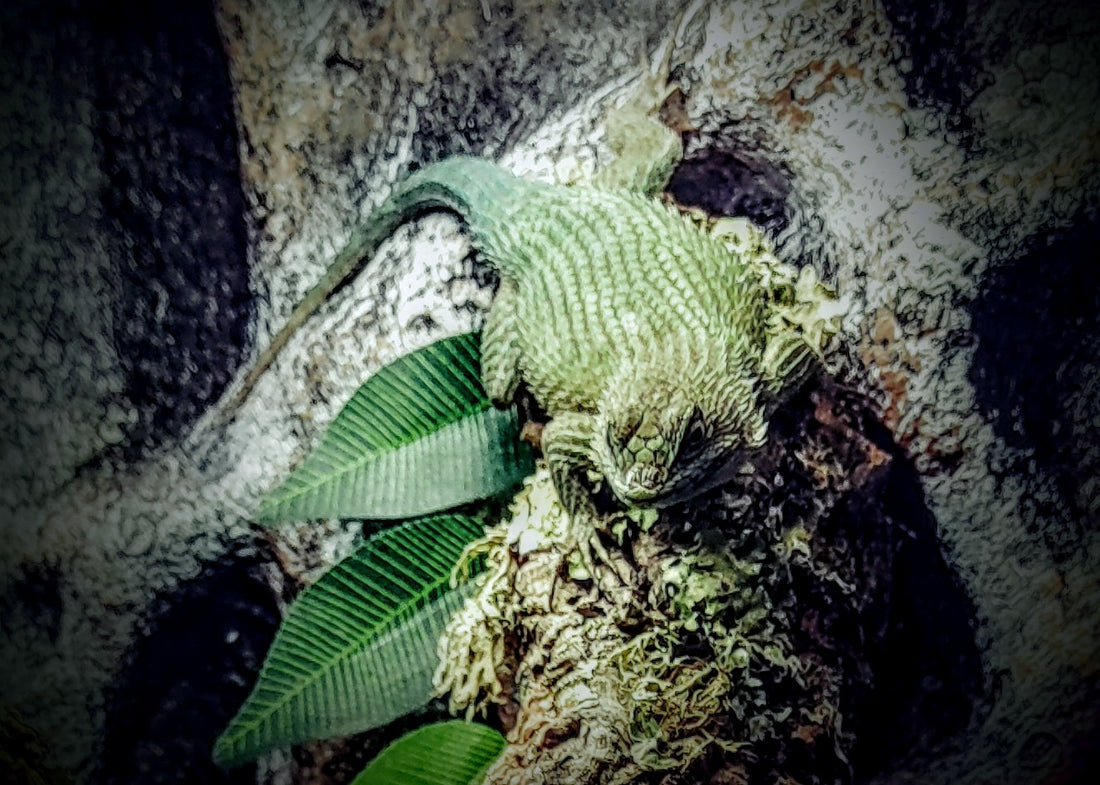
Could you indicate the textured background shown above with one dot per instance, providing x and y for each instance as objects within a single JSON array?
[{"x": 172, "y": 181}]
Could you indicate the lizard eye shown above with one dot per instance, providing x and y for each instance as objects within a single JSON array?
[
  {"x": 617, "y": 438},
  {"x": 696, "y": 434},
  {"x": 621, "y": 434}
]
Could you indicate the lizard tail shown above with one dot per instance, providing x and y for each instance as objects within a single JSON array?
[{"x": 479, "y": 191}]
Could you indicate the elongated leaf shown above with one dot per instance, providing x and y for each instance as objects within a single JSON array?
[
  {"x": 418, "y": 437},
  {"x": 444, "y": 753},
  {"x": 358, "y": 648}
]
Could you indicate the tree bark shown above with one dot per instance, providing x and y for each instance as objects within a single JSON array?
[{"x": 937, "y": 164}]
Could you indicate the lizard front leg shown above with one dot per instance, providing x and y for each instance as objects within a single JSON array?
[
  {"x": 788, "y": 363},
  {"x": 646, "y": 151},
  {"x": 567, "y": 447}
]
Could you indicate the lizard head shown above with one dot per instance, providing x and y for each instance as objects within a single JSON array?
[{"x": 677, "y": 438}]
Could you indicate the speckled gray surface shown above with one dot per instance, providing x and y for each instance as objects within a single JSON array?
[{"x": 941, "y": 165}]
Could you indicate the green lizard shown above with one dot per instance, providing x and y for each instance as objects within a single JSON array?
[{"x": 648, "y": 341}]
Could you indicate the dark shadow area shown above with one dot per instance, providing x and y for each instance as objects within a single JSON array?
[
  {"x": 927, "y": 667},
  {"x": 188, "y": 675},
  {"x": 24, "y": 754},
  {"x": 34, "y": 594},
  {"x": 903, "y": 631},
  {"x": 1036, "y": 321},
  {"x": 939, "y": 63},
  {"x": 734, "y": 184},
  {"x": 175, "y": 209},
  {"x": 913, "y": 672},
  {"x": 951, "y": 49}
]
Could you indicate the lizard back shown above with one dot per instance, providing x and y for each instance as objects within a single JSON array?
[
  {"x": 605, "y": 277},
  {"x": 599, "y": 275}
]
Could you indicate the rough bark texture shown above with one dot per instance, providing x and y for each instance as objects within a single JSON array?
[{"x": 940, "y": 164}]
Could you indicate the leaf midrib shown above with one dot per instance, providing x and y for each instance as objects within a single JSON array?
[
  {"x": 345, "y": 653},
  {"x": 282, "y": 499}
]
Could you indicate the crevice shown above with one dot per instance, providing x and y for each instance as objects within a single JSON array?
[
  {"x": 174, "y": 209},
  {"x": 1035, "y": 366},
  {"x": 188, "y": 675},
  {"x": 734, "y": 183}
]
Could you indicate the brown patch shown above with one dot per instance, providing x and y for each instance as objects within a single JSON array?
[
  {"x": 532, "y": 434},
  {"x": 674, "y": 113},
  {"x": 885, "y": 329},
  {"x": 884, "y": 348},
  {"x": 806, "y": 85}
]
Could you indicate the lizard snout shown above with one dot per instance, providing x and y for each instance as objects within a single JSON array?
[{"x": 642, "y": 483}]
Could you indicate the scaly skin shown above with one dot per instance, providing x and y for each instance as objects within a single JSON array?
[{"x": 643, "y": 337}]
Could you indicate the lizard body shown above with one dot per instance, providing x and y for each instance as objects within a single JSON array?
[{"x": 644, "y": 338}]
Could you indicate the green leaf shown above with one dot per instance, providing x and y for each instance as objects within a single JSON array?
[
  {"x": 358, "y": 648},
  {"x": 444, "y": 753},
  {"x": 418, "y": 437}
]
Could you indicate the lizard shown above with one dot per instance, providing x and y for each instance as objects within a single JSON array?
[{"x": 647, "y": 340}]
